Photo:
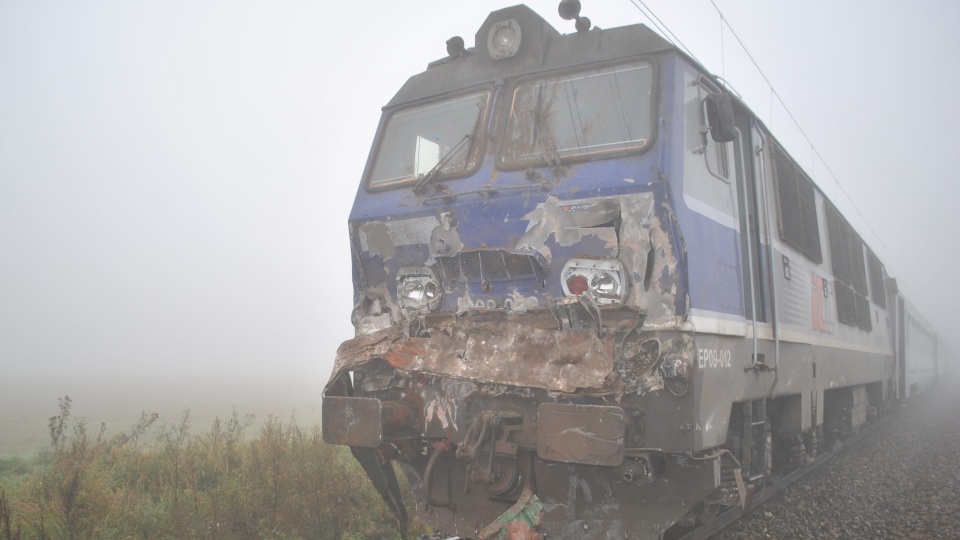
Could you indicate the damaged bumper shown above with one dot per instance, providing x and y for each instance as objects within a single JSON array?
[
  {"x": 528, "y": 350},
  {"x": 484, "y": 407}
]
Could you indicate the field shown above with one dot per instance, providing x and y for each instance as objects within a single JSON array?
[
  {"x": 171, "y": 476},
  {"x": 27, "y": 405}
]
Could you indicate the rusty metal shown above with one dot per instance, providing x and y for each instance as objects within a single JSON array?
[
  {"x": 352, "y": 421},
  {"x": 480, "y": 456},
  {"x": 358, "y": 421},
  {"x": 395, "y": 417},
  {"x": 467, "y": 449},
  {"x": 437, "y": 449},
  {"x": 487, "y": 351},
  {"x": 489, "y": 453}
]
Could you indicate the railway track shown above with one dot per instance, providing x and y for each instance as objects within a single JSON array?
[
  {"x": 729, "y": 516},
  {"x": 770, "y": 490}
]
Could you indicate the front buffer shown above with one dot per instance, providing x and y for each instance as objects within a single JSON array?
[{"x": 529, "y": 424}]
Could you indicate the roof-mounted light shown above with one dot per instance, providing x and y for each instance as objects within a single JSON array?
[{"x": 503, "y": 39}]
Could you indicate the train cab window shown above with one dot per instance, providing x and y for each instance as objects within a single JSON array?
[
  {"x": 580, "y": 116},
  {"x": 423, "y": 137}
]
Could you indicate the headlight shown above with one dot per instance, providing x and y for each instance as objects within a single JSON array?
[
  {"x": 503, "y": 40},
  {"x": 605, "y": 285},
  {"x": 418, "y": 287},
  {"x": 602, "y": 278}
]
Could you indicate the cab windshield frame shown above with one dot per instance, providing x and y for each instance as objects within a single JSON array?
[
  {"x": 522, "y": 144},
  {"x": 424, "y": 130}
]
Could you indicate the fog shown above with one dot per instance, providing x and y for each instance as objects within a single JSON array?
[{"x": 175, "y": 177}]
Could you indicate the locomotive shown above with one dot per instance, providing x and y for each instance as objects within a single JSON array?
[{"x": 596, "y": 298}]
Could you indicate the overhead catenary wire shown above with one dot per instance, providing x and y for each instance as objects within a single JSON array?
[
  {"x": 668, "y": 34},
  {"x": 813, "y": 147},
  {"x": 662, "y": 28}
]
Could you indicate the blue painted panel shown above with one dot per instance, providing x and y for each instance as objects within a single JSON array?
[
  {"x": 714, "y": 264},
  {"x": 495, "y": 221}
]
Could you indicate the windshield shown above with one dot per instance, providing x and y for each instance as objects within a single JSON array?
[
  {"x": 419, "y": 138},
  {"x": 579, "y": 115}
]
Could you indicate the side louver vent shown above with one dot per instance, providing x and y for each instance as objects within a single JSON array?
[
  {"x": 846, "y": 304},
  {"x": 796, "y": 200},
  {"x": 876, "y": 279},
  {"x": 850, "y": 269}
]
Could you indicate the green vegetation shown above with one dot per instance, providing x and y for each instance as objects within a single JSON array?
[{"x": 160, "y": 481}]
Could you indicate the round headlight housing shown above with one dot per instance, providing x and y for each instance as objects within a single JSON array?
[
  {"x": 503, "y": 39},
  {"x": 418, "y": 289},
  {"x": 602, "y": 279},
  {"x": 604, "y": 285}
]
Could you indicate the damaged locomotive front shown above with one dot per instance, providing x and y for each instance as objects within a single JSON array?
[
  {"x": 520, "y": 293},
  {"x": 514, "y": 390}
]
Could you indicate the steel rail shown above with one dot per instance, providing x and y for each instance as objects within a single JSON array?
[
  {"x": 726, "y": 518},
  {"x": 729, "y": 516}
]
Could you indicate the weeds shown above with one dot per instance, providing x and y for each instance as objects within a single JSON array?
[
  {"x": 7, "y": 532},
  {"x": 282, "y": 482}
]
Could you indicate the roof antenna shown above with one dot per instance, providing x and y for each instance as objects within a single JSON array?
[{"x": 570, "y": 10}]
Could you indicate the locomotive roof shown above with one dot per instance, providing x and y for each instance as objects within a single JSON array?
[{"x": 542, "y": 48}]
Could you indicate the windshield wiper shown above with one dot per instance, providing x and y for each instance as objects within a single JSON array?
[
  {"x": 435, "y": 170},
  {"x": 545, "y": 141}
]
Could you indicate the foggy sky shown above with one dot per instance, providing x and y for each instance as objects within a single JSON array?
[{"x": 175, "y": 177}]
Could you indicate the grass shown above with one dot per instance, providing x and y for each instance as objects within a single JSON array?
[{"x": 160, "y": 480}]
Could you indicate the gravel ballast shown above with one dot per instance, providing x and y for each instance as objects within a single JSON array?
[{"x": 901, "y": 481}]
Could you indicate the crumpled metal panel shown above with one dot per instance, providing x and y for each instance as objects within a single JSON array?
[
  {"x": 569, "y": 222},
  {"x": 517, "y": 273},
  {"x": 497, "y": 351},
  {"x": 640, "y": 241}
]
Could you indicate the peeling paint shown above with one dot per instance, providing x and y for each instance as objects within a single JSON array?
[
  {"x": 383, "y": 237},
  {"x": 375, "y": 311},
  {"x": 375, "y": 237},
  {"x": 444, "y": 410},
  {"x": 519, "y": 303},
  {"x": 444, "y": 238},
  {"x": 568, "y": 222}
]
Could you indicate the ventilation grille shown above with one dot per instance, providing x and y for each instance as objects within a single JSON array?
[
  {"x": 864, "y": 317},
  {"x": 481, "y": 265},
  {"x": 853, "y": 309},
  {"x": 876, "y": 279},
  {"x": 846, "y": 304},
  {"x": 845, "y": 245},
  {"x": 849, "y": 267},
  {"x": 796, "y": 200}
]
